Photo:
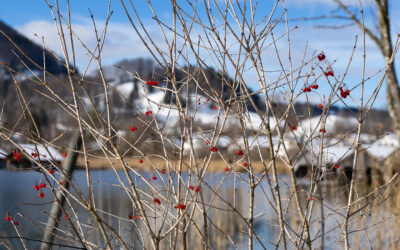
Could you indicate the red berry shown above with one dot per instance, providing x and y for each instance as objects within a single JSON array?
[
  {"x": 208, "y": 99},
  {"x": 207, "y": 142},
  {"x": 16, "y": 223},
  {"x": 322, "y": 130},
  {"x": 156, "y": 200},
  {"x": 239, "y": 152},
  {"x": 8, "y": 218},
  {"x": 42, "y": 185},
  {"x": 65, "y": 217},
  {"x": 309, "y": 198},
  {"x": 152, "y": 83},
  {"x": 307, "y": 89},
  {"x": 294, "y": 127},
  {"x": 181, "y": 206},
  {"x": 214, "y": 149},
  {"x": 137, "y": 217},
  {"x": 215, "y": 107},
  {"x": 36, "y": 187},
  {"x": 148, "y": 113},
  {"x": 51, "y": 171},
  {"x": 163, "y": 171},
  {"x": 191, "y": 187},
  {"x": 336, "y": 166},
  {"x": 132, "y": 128},
  {"x": 154, "y": 178},
  {"x": 321, "y": 56},
  {"x": 130, "y": 217},
  {"x": 64, "y": 155},
  {"x": 41, "y": 195},
  {"x": 226, "y": 169},
  {"x": 245, "y": 164},
  {"x": 197, "y": 189},
  {"x": 320, "y": 106},
  {"x": 140, "y": 161}
]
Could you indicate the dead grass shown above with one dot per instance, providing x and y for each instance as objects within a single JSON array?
[{"x": 216, "y": 165}]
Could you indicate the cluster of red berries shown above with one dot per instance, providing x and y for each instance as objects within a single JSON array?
[
  {"x": 214, "y": 149},
  {"x": 17, "y": 157},
  {"x": 329, "y": 73},
  {"x": 152, "y": 178},
  {"x": 197, "y": 189},
  {"x": 148, "y": 113},
  {"x": 130, "y": 216},
  {"x": 38, "y": 187},
  {"x": 344, "y": 93},
  {"x": 308, "y": 89},
  {"x": 321, "y": 56},
  {"x": 180, "y": 206},
  {"x": 8, "y": 218}
]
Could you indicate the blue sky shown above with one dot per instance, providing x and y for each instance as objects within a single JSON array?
[{"x": 31, "y": 17}]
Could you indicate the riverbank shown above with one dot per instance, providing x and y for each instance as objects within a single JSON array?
[{"x": 216, "y": 165}]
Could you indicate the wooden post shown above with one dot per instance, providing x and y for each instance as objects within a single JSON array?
[{"x": 67, "y": 169}]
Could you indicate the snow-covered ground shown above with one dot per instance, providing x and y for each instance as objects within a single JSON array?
[
  {"x": 384, "y": 146},
  {"x": 45, "y": 153}
]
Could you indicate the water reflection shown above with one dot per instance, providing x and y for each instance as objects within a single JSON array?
[{"x": 227, "y": 229}]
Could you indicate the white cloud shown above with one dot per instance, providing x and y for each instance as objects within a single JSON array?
[
  {"x": 328, "y": 2},
  {"x": 121, "y": 41}
]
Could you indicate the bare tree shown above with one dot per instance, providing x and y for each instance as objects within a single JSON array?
[{"x": 384, "y": 43}]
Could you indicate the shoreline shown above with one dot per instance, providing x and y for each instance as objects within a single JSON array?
[{"x": 218, "y": 165}]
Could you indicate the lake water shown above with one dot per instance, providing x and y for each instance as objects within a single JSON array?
[{"x": 17, "y": 196}]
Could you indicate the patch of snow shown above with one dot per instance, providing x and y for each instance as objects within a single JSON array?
[
  {"x": 383, "y": 147},
  {"x": 125, "y": 89},
  {"x": 46, "y": 153},
  {"x": 332, "y": 125},
  {"x": 3, "y": 154}
]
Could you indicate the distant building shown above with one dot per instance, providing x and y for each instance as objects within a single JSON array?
[{"x": 337, "y": 159}]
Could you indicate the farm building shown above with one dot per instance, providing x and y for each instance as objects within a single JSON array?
[
  {"x": 386, "y": 152},
  {"x": 336, "y": 161}
]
